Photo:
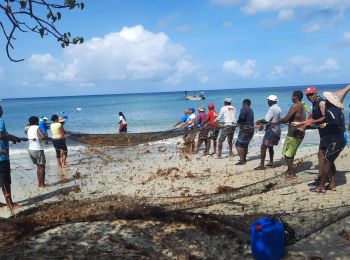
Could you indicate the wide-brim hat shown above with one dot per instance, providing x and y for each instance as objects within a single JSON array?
[{"x": 337, "y": 98}]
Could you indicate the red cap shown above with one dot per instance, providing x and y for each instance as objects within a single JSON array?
[
  {"x": 211, "y": 105},
  {"x": 311, "y": 90}
]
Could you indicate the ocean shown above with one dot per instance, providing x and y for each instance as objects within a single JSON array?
[{"x": 145, "y": 112}]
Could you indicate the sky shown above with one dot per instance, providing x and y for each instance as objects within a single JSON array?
[{"x": 136, "y": 46}]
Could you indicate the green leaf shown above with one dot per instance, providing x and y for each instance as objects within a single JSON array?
[
  {"x": 49, "y": 15},
  {"x": 68, "y": 33},
  {"x": 62, "y": 45},
  {"x": 81, "y": 40},
  {"x": 59, "y": 15},
  {"x": 82, "y": 5}
]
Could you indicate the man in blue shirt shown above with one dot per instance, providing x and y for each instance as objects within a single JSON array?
[
  {"x": 43, "y": 125},
  {"x": 5, "y": 171}
]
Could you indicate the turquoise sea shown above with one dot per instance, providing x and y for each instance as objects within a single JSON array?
[{"x": 144, "y": 111}]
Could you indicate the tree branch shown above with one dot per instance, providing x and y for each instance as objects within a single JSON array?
[{"x": 16, "y": 19}]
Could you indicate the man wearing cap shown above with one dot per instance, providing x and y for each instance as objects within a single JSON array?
[
  {"x": 203, "y": 129},
  {"x": 213, "y": 126},
  {"x": 317, "y": 117},
  {"x": 272, "y": 132},
  {"x": 333, "y": 138},
  {"x": 228, "y": 112},
  {"x": 246, "y": 131},
  {"x": 191, "y": 130},
  {"x": 295, "y": 136}
]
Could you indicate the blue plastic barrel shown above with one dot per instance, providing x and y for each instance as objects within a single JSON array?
[
  {"x": 346, "y": 138},
  {"x": 267, "y": 239}
]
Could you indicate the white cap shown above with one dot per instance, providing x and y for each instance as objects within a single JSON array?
[
  {"x": 227, "y": 100},
  {"x": 272, "y": 98}
]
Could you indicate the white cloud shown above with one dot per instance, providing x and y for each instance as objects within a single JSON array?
[
  {"x": 306, "y": 66},
  {"x": 346, "y": 37},
  {"x": 129, "y": 55},
  {"x": 300, "y": 65},
  {"x": 256, "y": 6},
  {"x": 245, "y": 70},
  {"x": 311, "y": 28},
  {"x": 225, "y": 2},
  {"x": 277, "y": 71},
  {"x": 285, "y": 15}
]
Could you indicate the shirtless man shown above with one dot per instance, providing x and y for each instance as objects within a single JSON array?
[{"x": 295, "y": 134}]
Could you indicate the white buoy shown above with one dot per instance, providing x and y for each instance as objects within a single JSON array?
[{"x": 78, "y": 109}]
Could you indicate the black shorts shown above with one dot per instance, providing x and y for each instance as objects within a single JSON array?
[
  {"x": 60, "y": 145},
  {"x": 5, "y": 173},
  {"x": 333, "y": 145}
]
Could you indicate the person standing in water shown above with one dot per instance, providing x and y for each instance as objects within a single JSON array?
[{"x": 123, "y": 124}]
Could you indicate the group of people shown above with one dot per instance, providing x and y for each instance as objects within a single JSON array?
[
  {"x": 326, "y": 115},
  {"x": 37, "y": 133}
]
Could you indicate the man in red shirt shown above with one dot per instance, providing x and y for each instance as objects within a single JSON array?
[{"x": 213, "y": 127}]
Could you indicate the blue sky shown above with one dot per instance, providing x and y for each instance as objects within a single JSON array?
[{"x": 165, "y": 45}]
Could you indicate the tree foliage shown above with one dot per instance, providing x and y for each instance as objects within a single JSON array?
[{"x": 29, "y": 16}]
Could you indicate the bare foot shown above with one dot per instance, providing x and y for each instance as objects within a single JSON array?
[
  {"x": 2, "y": 205},
  {"x": 43, "y": 186}
]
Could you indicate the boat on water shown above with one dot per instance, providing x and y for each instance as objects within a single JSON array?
[{"x": 199, "y": 96}]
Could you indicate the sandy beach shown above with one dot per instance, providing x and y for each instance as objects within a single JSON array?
[{"x": 154, "y": 201}]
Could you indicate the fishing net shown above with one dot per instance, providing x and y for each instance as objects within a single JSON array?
[
  {"x": 124, "y": 139},
  {"x": 298, "y": 225}
]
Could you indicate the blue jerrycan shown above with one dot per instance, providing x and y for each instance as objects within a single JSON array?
[{"x": 267, "y": 239}]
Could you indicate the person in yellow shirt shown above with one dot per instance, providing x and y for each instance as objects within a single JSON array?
[{"x": 59, "y": 140}]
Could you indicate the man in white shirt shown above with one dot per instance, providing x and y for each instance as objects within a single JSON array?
[
  {"x": 272, "y": 132},
  {"x": 36, "y": 150},
  {"x": 228, "y": 112}
]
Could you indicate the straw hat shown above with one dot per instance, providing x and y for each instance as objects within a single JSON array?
[{"x": 337, "y": 98}]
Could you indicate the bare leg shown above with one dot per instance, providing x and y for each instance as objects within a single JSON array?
[
  {"x": 230, "y": 149},
  {"x": 6, "y": 190},
  {"x": 41, "y": 176},
  {"x": 207, "y": 147},
  {"x": 219, "y": 150},
  {"x": 245, "y": 151},
  {"x": 290, "y": 172},
  {"x": 263, "y": 155},
  {"x": 321, "y": 161},
  {"x": 240, "y": 151},
  {"x": 215, "y": 145},
  {"x": 332, "y": 177},
  {"x": 271, "y": 153},
  {"x": 325, "y": 173}
]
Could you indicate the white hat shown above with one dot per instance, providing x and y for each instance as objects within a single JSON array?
[
  {"x": 272, "y": 98},
  {"x": 337, "y": 98},
  {"x": 228, "y": 100},
  {"x": 201, "y": 109}
]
